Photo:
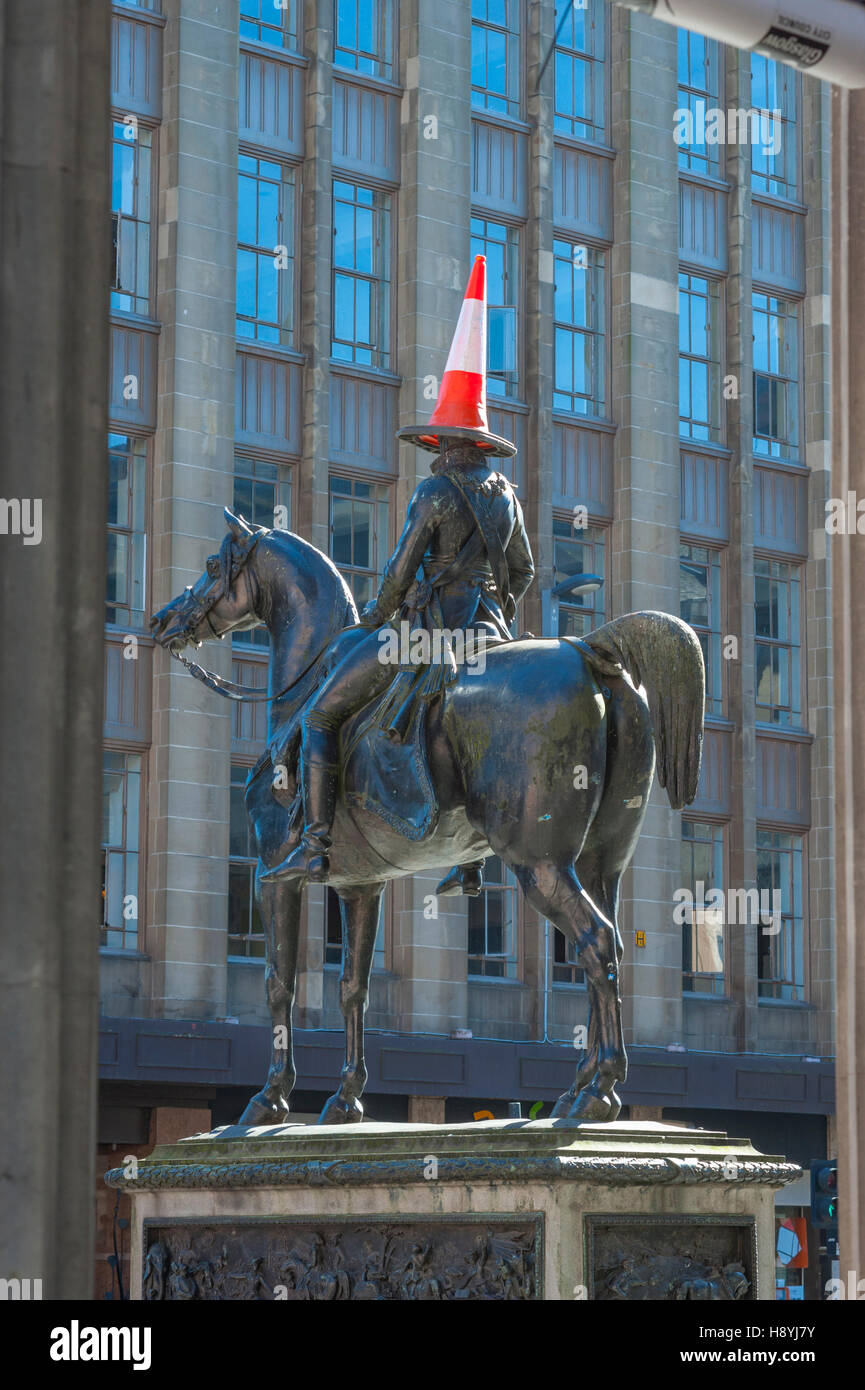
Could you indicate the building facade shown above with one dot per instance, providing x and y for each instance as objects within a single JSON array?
[{"x": 298, "y": 189}]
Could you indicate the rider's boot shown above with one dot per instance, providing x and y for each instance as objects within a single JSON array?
[
  {"x": 319, "y": 777},
  {"x": 465, "y": 878}
]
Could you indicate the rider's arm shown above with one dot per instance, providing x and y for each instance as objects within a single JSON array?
[
  {"x": 521, "y": 565},
  {"x": 401, "y": 568}
]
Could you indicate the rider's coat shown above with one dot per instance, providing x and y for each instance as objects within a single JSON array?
[{"x": 438, "y": 525}]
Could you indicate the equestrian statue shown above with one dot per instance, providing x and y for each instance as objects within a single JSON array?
[{"x": 390, "y": 753}]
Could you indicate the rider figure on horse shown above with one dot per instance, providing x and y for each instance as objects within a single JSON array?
[{"x": 462, "y": 563}]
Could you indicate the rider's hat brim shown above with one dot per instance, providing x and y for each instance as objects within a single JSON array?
[{"x": 432, "y": 439}]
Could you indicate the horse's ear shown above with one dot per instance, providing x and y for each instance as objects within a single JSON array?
[{"x": 238, "y": 525}]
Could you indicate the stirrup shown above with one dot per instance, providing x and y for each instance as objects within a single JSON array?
[
  {"x": 308, "y": 860},
  {"x": 465, "y": 879}
]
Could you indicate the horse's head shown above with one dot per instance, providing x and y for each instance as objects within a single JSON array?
[{"x": 222, "y": 600}]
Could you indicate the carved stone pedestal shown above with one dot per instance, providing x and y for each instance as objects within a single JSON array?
[{"x": 506, "y": 1209}]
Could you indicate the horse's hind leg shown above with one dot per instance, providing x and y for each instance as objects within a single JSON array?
[
  {"x": 359, "y": 909},
  {"x": 279, "y": 906},
  {"x": 556, "y": 892}
]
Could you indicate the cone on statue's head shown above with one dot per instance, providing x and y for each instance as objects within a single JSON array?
[{"x": 460, "y": 416}]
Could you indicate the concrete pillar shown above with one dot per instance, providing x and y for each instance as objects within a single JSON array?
[
  {"x": 817, "y": 127},
  {"x": 848, "y": 585},
  {"x": 194, "y": 464},
  {"x": 429, "y": 935},
  {"x": 739, "y": 671},
  {"x": 54, "y": 60},
  {"x": 645, "y": 560}
]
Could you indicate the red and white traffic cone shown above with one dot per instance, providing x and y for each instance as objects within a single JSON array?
[{"x": 461, "y": 408}]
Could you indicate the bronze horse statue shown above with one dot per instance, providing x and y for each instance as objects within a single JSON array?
[{"x": 544, "y": 757}]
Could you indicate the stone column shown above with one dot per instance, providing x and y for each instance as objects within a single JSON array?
[
  {"x": 645, "y": 559},
  {"x": 429, "y": 951},
  {"x": 194, "y": 462},
  {"x": 848, "y": 609},
  {"x": 739, "y": 673},
  {"x": 817, "y": 122},
  {"x": 54, "y": 59}
]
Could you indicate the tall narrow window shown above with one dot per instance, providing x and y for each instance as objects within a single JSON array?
[
  {"x": 781, "y": 934},
  {"x": 579, "y": 77},
  {"x": 578, "y": 551},
  {"x": 579, "y": 328},
  {"x": 361, "y": 274},
  {"x": 703, "y": 928},
  {"x": 493, "y": 924},
  {"x": 500, "y": 244},
  {"x": 333, "y": 943},
  {"x": 245, "y": 929},
  {"x": 262, "y": 494},
  {"x": 776, "y": 376},
  {"x": 700, "y": 605},
  {"x": 775, "y": 151},
  {"x": 699, "y": 75},
  {"x": 131, "y": 179},
  {"x": 566, "y": 970},
  {"x": 496, "y": 55},
  {"x": 126, "y": 578},
  {"x": 121, "y": 798},
  {"x": 777, "y": 650},
  {"x": 265, "y": 250},
  {"x": 363, "y": 36},
  {"x": 270, "y": 21},
  {"x": 359, "y": 533},
  {"x": 699, "y": 358}
]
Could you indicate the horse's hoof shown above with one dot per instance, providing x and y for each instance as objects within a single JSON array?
[
  {"x": 592, "y": 1108},
  {"x": 341, "y": 1112},
  {"x": 261, "y": 1110},
  {"x": 563, "y": 1106},
  {"x": 615, "y": 1105}
]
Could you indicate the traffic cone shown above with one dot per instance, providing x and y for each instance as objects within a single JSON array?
[{"x": 461, "y": 408}]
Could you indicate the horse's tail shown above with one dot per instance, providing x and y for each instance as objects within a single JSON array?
[{"x": 663, "y": 654}]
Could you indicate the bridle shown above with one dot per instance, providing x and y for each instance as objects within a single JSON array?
[{"x": 225, "y": 568}]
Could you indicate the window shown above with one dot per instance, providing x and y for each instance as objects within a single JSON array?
[
  {"x": 270, "y": 21},
  {"x": 500, "y": 244},
  {"x": 777, "y": 650},
  {"x": 493, "y": 924},
  {"x": 361, "y": 274},
  {"x": 131, "y": 175},
  {"x": 496, "y": 55},
  {"x": 121, "y": 804},
  {"x": 566, "y": 971},
  {"x": 265, "y": 251},
  {"x": 774, "y": 155},
  {"x": 245, "y": 929},
  {"x": 699, "y": 70},
  {"x": 579, "y": 328},
  {"x": 703, "y": 929},
  {"x": 776, "y": 376},
  {"x": 359, "y": 533},
  {"x": 125, "y": 592},
  {"x": 578, "y": 551},
  {"x": 579, "y": 63},
  {"x": 259, "y": 488},
  {"x": 153, "y": 6},
  {"x": 780, "y": 952},
  {"x": 333, "y": 933},
  {"x": 363, "y": 36},
  {"x": 700, "y": 605},
  {"x": 699, "y": 358}
]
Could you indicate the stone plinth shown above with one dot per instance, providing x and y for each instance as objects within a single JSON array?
[{"x": 505, "y": 1209}]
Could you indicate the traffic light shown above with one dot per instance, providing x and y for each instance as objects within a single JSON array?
[{"x": 824, "y": 1195}]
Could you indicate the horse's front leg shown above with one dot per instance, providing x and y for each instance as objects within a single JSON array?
[
  {"x": 279, "y": 904},
  {"x": 359, "y": 910}
]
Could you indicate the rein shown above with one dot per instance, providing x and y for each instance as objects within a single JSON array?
[{"x": 252, "y": 694}]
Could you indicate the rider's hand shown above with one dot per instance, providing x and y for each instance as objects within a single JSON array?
[{"x": 370, "y": 616}]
